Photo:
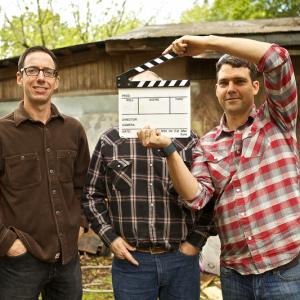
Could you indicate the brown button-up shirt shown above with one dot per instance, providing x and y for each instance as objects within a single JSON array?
[{"x": 42, "y": 170}]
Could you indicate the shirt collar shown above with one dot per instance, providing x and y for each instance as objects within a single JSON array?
[
  {"x": 21, "y": 115},
  {"x": 224, "y": 130}
]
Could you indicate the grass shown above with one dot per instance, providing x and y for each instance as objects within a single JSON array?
[{"x": 93, "y": 296}]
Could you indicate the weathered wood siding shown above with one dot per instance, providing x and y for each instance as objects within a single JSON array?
[
  {"x": 79, "y": 73},
  {"x": 94, "y": 71},
  {"x": 9, "y": 89},
  {"x": 97, "y": 75}
]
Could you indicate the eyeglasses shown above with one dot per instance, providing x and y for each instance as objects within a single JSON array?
[{"x": 34, "y": 71}]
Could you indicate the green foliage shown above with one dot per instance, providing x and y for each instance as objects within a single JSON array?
[
  {"x": 197, "y": 13},
  {"x": 115, "y": 27},
  {"x": 45, "y": 27},
  {"x": 21, "y": 32},
  {"x": 218, "y": 10},
  {"x": 279, "y": 8}
]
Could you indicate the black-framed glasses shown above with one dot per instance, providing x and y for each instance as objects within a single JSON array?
[{"x": 34, "y": 71}]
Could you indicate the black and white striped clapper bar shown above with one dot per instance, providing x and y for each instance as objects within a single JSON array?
[{"x": 161, "y": 104}]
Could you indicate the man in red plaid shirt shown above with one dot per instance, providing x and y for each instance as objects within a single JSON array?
[{"x": 249, "y": 166}]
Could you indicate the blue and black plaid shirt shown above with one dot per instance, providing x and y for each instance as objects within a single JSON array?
[{"x": 129, "y": 193}]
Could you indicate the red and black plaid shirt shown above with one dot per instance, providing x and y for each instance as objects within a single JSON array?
[{"x": 253, "y": 173}]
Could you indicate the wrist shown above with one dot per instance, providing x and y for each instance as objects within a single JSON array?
[{"x": 168, "y": 150}]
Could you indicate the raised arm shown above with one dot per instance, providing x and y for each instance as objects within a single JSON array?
[{"x": 244, "y": 48}]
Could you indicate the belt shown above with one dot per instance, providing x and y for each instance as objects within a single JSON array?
[
  {"x": 291, "y": 264},
  {"x": 152, "y": 249},
  {"x": 57, "y": 257}
]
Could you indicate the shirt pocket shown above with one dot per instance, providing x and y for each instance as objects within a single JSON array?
[
  {"x": 256, "y": 148},
  {"x": 119, "y": 172},
  {"x": 23, "y": 170},
  {"x": 255, "y": 145},
  {"x": 218, "y": 162},
  {"x": 65, "y": 164}
]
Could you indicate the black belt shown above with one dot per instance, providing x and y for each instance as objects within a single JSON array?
[{"x": 291, "y": 264}]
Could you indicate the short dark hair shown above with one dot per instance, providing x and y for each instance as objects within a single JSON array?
[
  {"x": 36, "y": 49},
  {"x": 236, "y": 62}
]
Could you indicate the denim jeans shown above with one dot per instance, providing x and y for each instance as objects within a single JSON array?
[
  {"x": 283, "y": 284},
  {"x": 24, "y": 278},
  {"x": 167, "y": 276}
]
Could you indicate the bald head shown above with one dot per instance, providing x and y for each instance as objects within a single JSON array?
[{"x": 145, "y": 76}]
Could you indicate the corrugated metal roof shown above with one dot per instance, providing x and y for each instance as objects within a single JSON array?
[{"x": 260, "y": 26}]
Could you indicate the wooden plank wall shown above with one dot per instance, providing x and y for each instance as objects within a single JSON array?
[
  {"x": 9, "y": 89},
  {"x": 77, "y": 74},
  {"x": 98, "y": 75},
  {"x": 95, "y": 71}
]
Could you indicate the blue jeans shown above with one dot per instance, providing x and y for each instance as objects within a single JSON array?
[
  {"x": 283, "y": 284},
  {"x": 24, "y": 278},
  {"x": 167, "y": 276}
]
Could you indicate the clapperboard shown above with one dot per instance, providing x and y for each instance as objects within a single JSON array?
[{"x": 161, "y": 104}]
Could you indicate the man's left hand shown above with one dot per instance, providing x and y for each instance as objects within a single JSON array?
[
  {"x": 188, "y": 249},
  {"x": 81, "y": 232}
]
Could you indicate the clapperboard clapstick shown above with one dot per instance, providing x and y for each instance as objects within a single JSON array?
[{"x": 161, "y": 104}]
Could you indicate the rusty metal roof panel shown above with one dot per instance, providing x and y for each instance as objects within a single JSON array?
[{"x": 260, "y": 26}]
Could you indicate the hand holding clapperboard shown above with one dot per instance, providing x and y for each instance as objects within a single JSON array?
[{"x": 161, "y": 104}]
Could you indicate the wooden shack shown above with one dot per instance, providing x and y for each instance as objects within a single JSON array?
[{"x": 88, "y": 71}]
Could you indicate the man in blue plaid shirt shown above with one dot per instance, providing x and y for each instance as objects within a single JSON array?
[{"x": 131, "y": 204}]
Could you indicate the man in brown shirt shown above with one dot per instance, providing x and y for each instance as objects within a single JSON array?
[{"x": 43, "y": 161}]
